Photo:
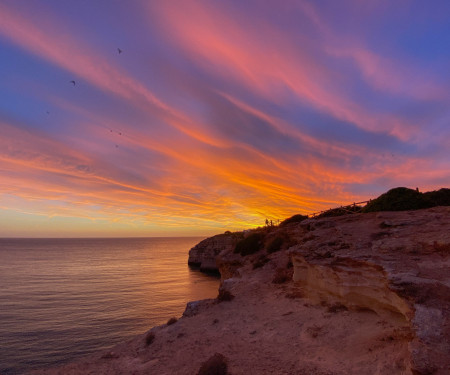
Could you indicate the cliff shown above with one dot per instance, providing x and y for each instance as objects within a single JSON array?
[
  {"x": 392, "y": 263},
  {"x": 355, "y": 294},
  {"x": 204, "y": 254}
]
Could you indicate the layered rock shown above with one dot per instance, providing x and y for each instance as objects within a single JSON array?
[
  {"x": 357, "y": 294},
  {"x": 388, "y": 262},
  {"x": 396, "y": 264},
  {"x": 355, "y": 284},
  {"x": 204, "y": 254}
]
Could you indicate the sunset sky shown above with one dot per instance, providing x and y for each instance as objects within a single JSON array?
[{"x": 217, "y": 114}]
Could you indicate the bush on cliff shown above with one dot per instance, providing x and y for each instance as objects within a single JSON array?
[
  {"x": 293, "y": 219},
  {"x": 398, "y": 199},
  {"x": 438, "y": 198},
  {"x": 275, "y": 244},
  {"x": 339, "y": 211},
  {"x": 249, "y": 245},
  {"x": 236, "y": 235}
]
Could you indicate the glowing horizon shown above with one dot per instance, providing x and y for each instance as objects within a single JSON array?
[{"x": 215, "y": 115}]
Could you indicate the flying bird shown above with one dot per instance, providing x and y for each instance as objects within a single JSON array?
[
  {"x": 73, "y": 82},
  {"x": 119, "y": 50}
]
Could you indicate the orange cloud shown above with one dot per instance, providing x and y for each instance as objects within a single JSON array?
[
  {"x": 225, "y": 159},
  {"x": 269, "y": 62},
  {"x": 264, "y": 64}
]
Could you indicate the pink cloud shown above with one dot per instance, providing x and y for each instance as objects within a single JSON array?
[
  {"x": 388, "y": 75},
  {"x": 181, "y": 165},
  {"x": 267, "y": 65}
]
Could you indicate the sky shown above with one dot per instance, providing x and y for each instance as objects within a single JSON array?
[{"x": 183, "y": 117}]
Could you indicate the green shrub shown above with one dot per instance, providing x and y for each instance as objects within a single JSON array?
[
  {"x": 249, "y": 245},
  {"x": 340, "y": 211},
  {"x": 398, "y": 199},
  {"x": 438, "y": 198},
  {"x": 275, "y": 244},
  {"x": 293, "y": 219}
]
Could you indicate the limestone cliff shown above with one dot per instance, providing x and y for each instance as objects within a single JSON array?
[
  {"x": 396, "y": 264},
  {"x": 356, "y": 294},
  {"x": 204, "y": 254}
]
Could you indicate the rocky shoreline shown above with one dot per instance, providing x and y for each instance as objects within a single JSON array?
[{"x": 355, "y": 294}]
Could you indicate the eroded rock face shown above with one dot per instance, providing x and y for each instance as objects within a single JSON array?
[
  {"x": 370, "y": 294},
  {"x": 397, "y": 262},
  {"x": 355, "y": 284},
  {"x": 204, "y": 254}
]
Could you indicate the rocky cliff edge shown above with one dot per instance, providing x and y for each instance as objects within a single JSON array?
[{"x": 356, "y": 294}]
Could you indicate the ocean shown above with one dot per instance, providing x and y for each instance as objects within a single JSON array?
[{"x": 61, "y": 299}]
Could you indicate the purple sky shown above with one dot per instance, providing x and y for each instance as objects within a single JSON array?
[{"x": 217, "y": 114}]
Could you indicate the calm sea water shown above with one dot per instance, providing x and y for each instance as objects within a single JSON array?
[{"x": 64, "y": 298}]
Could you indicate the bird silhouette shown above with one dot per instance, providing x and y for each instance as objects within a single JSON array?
[
  {"x": 48, "y": 112},
  {"x": 119, "y": 50},
  {"x": 73, "y": 82}
]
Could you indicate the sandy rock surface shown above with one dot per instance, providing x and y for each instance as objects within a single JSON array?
[{"x": 359, "y": 294}]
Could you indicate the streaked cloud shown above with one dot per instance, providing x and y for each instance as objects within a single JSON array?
[{"x": 216, "y": 115}]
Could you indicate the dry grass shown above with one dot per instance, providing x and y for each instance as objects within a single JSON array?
[
  {"x": 250, "y": 245},
  {"x": 293, "y": 219}
]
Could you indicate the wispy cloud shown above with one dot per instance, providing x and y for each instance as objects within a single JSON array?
[{"x": 216, "y": 115}]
